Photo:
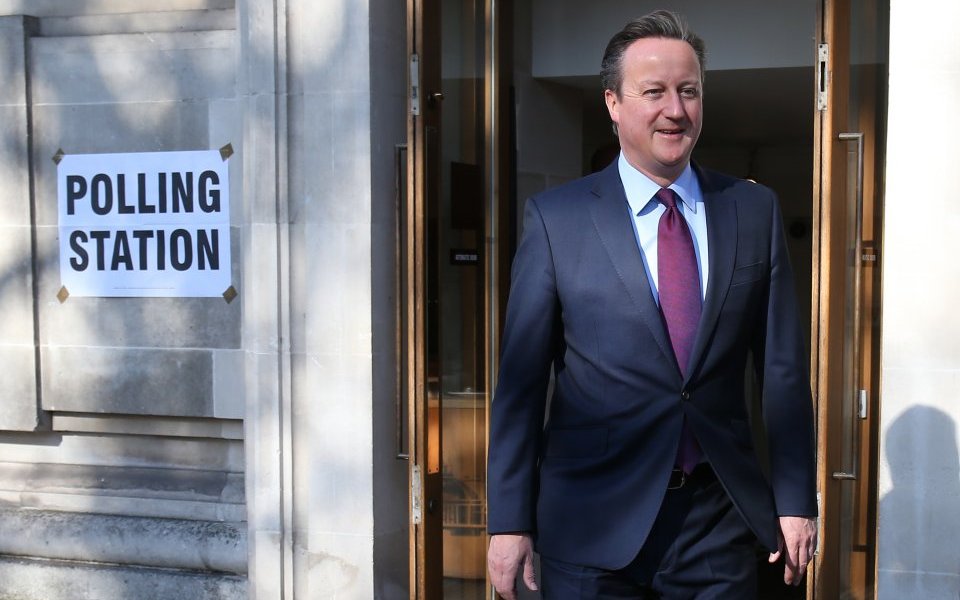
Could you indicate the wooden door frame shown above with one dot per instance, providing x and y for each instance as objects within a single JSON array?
[
  {"x": 827, "y": 247},
  {"x": 827, "y": 312},
  {"x": 825, "y": 315},
  {"x": 423, "y": 582},
  {"x": 830, "y": 221}
]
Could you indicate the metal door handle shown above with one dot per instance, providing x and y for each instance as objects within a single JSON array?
[
  {"x": 857, "y": 393},
  {"x": 400, "y": 206}
]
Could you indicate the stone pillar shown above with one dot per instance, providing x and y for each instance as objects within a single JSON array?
[
  {"x": 318, "y": 161},
  {"x": 330, "y": 301},
  {"x": 262, "y": 76},
  {"x": 19, "y": 401},
  {"x": 919, "y": 482}
]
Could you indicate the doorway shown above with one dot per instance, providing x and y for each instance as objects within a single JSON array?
[{"x": 506, "y": 102}]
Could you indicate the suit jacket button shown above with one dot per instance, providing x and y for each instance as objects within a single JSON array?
[{"x": 685, "y": 395}]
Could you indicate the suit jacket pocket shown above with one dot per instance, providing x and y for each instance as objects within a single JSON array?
[
  {"x": 576, "y": 443},
  {"x": 747, "y": 274}
]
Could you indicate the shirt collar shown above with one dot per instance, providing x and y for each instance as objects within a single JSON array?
[{"x": 640, "y": 189}]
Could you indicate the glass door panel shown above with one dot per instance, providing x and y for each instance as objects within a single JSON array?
[
  {"x": 450, "y": 74},
  {"x": 458, "y": 358}
]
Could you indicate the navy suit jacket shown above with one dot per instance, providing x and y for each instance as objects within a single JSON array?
[{"x": 588, "y": 479}]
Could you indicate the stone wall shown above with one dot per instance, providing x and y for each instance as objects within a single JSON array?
[
  {"x": 121, "y": 450},
  {"x": 195, "y": 447},
  {"x": 919, "y": 485}
]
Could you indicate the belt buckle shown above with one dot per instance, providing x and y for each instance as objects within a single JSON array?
[{"x": 677, "y": 479}]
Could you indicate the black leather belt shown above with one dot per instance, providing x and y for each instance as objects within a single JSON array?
[{"x": 679, "y": 479}]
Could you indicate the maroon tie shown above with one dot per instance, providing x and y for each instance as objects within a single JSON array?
[{"x": 679, "y": 288}]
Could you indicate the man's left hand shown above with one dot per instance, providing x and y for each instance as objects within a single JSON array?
[{"x": 797, "y": 542}]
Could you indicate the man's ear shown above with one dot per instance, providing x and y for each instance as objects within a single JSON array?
[{"x": 613, "y": 105}]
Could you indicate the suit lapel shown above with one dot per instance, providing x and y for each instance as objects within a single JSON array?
[
  {"x": 722, "y": 250},
  {"x": 610, "y": 213}
]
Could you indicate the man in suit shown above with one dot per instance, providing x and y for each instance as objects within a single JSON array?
[{"x": 643, "y": 288}]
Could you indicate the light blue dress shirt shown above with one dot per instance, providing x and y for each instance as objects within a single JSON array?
[{"x": 646, "y": 211}]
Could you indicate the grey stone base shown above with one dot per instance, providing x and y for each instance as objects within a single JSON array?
[
  {"x": 27, "y": 579},
  {"x": 177, "y": 544}
]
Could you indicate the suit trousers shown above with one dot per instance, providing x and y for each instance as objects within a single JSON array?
[{"x": 699, "y": 548}]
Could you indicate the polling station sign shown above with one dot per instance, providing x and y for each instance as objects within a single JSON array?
[{"x": 144, "y": 224}]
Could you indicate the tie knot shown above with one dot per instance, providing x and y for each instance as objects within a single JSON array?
[{"x": 667, "y": 197}]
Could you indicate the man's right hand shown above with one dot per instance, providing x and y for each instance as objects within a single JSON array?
[{"x": 506, "y": 553}]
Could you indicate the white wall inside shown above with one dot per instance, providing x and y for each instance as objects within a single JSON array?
[{"x": 569, "y": 37}]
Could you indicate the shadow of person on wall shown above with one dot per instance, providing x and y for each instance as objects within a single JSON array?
[{"x": 919, "y": 518}]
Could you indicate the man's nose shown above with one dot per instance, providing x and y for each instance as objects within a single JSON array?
[{"x": 674, "y": 107}]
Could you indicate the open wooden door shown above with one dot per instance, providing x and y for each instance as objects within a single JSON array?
[
  {"x": 453, "y": 221},
  {"x": 849, "y": 143}
]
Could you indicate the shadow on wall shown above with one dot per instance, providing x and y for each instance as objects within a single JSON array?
[{"x": 920, "y": 517}]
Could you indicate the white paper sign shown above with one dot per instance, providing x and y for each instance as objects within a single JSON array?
[{"x": 144, "y": 224}]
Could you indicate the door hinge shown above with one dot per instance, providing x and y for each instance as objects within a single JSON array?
[
  {"x": 823, "y": 54},
  {"x": 862, "y": 404},
  {"x": 416, "y": 495},
  {"x": 414, "y": 85}
]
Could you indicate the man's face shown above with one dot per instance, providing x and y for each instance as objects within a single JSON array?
[{"x": 659, "y": 110}]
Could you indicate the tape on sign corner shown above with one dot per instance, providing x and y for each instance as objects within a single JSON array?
[
  {"x": 63, "y": 294},
  {"x": 230, "y": 293},
  {"x": 226, "y": 151},
  {"x": 56, "y": 158}
]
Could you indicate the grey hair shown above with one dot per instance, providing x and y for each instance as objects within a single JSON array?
[{"x": 658, "y": 24}]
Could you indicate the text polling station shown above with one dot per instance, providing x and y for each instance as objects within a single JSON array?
[{"x": 144, "y": 224}]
